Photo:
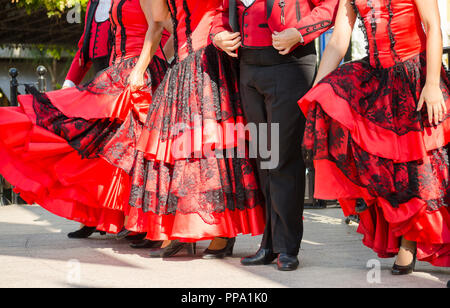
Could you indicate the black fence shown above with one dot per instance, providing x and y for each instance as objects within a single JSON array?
[{"x": 7, "y": 196}]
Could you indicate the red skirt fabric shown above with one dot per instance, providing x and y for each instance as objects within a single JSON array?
[
  {"x": 183, "y": 185},
  {"x": 51, "y": 146},
  {"x": 368, "y": 142}
]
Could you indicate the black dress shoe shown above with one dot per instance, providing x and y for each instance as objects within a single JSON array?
[
  {"x": 123, "y": 234},
  {"x": 262, "y": 257},
  {"x": 399, "y": 270},
  {"x": 137, "y": 237},
  {"x": 173, "y": 248},
  {"x": 145, "y": 244},
  {"x": 84, "y": 232},
  {"x": 220, "y": 254},
  {"x": 287, "y": 262}
]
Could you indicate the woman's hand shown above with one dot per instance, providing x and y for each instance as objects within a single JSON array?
[
  {"x": 136, "y": 81},
  {"x": 436, "y": 108}
]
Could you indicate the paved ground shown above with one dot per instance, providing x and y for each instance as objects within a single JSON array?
[{"x": 35, "y": 252}]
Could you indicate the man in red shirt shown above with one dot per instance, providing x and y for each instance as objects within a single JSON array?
[
  {"x": 274, "y": 41},
  {"x": 93, "y": 47}
]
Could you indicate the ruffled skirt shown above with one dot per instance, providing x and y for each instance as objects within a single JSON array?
[
  {"x": 190, "y": 172},
  {"x": 368, "y": 142},
  {"x": 51, "y": 146}
]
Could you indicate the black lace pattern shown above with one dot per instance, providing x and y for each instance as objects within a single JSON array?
[
  {"x": 387, "y": 97},
  {"x": 203, "y": 85},
  {"x": 426, "y": 179}
]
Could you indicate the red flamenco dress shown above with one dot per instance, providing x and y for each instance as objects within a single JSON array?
[
  {"x": 180, "y": 190},
  {"x": 368, "y": 141},
  {"x": 51, "y": 146}
]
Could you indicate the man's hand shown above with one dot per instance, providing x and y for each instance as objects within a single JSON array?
[
  {"x": 285, "y": 40},
  {"x": 228, "y": 42}
]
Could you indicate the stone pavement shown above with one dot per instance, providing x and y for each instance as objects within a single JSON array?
[{"x": 35, "y": 252}]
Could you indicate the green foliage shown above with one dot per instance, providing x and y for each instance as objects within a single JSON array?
[{"x": 54, "y": 7}]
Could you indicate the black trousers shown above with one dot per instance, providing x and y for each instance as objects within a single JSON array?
[{"x": 271, "y": 86}]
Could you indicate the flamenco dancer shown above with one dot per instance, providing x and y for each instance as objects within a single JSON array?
[
  {"x": 181, "y": 192},
  {"x": 94, "y": 45},
  {"x": 378, "y": 129},
  {"x": 51, "y": 146},
  {"x": 277, "y": 67}
]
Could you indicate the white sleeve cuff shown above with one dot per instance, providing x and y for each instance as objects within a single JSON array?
[{"x": 68, "y": 83}]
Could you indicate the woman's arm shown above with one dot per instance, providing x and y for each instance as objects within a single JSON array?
[
  {"x": 159, "y": 10},
  {"x": 340, "y": 40},
  {"x": 151, "y": 44},
  {"x": 169, "y": 48},
  {"x": 432, "y": 93}
]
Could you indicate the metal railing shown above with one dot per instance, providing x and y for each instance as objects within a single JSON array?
[{"x": 41, "y": 85}]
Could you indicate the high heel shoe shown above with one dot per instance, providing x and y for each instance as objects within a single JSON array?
[
  {"x": 222, "y": 253},
  {"x": 143, "y": 244},
  {"x": 398, "y": 270},
  {"x": 123, "y": 234},
  {"x": 173, "y": 248},
  {"x": 84, "y": 232}
]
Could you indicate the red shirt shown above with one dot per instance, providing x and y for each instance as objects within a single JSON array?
[{"x": 264, "y": 17}]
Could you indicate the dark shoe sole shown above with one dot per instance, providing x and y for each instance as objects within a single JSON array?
[
  {"x": 218, "y": 256},
  {"x": 258, "y": 263},
  {"x": 288, "y": 269}
]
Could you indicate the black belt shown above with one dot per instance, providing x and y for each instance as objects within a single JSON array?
[{"x": 271, "y": 56}]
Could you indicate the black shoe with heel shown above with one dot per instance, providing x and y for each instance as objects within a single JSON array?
[
  {"x": 173, "y": 248},
  {"x": 123, "y": 234},
  {"x": 84, "y": 232},
  {"x": 222, "y": 253},
  {"x": 399, "y": 270},
  {"x": 142, "y": 244}
]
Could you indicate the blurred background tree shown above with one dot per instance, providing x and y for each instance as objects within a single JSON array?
[
  {"x": 54, "y": 7},
  {"x": 55, "y": 53}
]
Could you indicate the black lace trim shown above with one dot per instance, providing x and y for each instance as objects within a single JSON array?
[
  {"x": 213, "y": 70},
  {"x": 87, "y": 137},
  {"x": 113, "y": 37},
  {"x": 373, "y": 26},
  {"x": 173, "y": 13},
  {"x": 155, "y": 192},
  {"x": 364, "y": 86},
  {"x": 361, "y": 26},
  {"x": 391, "y": 33},
  {"x": 188, "y": 27},
  {"x": 398, "y": 183},
  {"x": 123, "y": 34},
  {"x": 114, "y": 79}
]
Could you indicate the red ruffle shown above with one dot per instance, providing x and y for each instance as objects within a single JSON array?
[
  {"x": 375, "y": 139},
  {"x": 383, "y": 225},
  {"x": 192, "y": 227},
  {"x": 46, "y": 170},
  {"x": 201, "y": 141},
  {"x": 196, "y": 110},
  {"x": 365, "y": 143},
  {"x": 43, "y": 163}
]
